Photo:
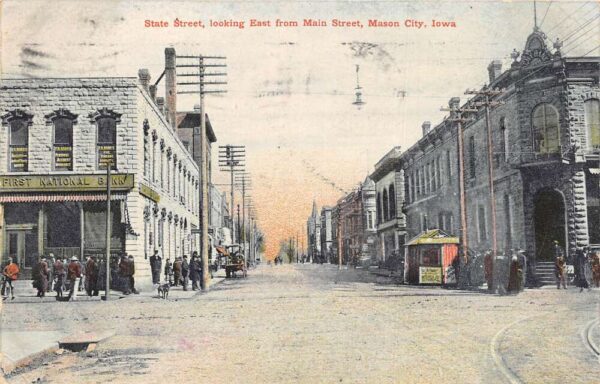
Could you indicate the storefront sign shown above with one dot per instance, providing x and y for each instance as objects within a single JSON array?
[
  {"x": 149, "y": 193},
  {"x": 64, "y": 183},
  {"x": 430, "y": 275}
]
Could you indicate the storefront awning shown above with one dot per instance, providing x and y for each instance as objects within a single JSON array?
[
  {"x": 434, "y": 236},
  {"x": 49, "y": 198}
]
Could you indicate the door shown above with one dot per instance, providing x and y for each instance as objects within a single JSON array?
[
  {"x": 22, "y": 245},
  {"x": 550, "y": 223}
]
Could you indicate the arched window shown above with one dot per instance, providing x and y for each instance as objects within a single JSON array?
[
  {"x": 592, "y": 122},
  {"x": 106, "y": 122},
  {"x": 18, "y": 122},
  {"x": 385, "y": 204},
  {"x": 392, "y": 206},
  {"x": 378, "y": 202},
  {"x": 63, "y": 121},
  {"x": 545, "y": 129}
]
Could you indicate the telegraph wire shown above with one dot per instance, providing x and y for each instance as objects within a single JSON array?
[
  {"x": 545, "y": 14},
  {"x": 568, "y": 17}
]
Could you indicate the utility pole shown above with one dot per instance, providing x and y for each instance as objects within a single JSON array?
[
  {"x": 458, "y": 117},
  {"x": 297, "y": 257},
  {"x": 232, "y": 159},
  {"x": 108, "y": 227},
  {"x": 243, "y": 179},
  {"x": 197, "y": 62},
  {"x": 238, "y": 224},
  {"x": 485, "y": 94}
]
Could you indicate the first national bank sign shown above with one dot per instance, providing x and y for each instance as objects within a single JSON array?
[{"x": 65, "y": 183}]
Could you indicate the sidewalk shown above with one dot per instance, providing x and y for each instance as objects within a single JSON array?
[{"x": 25, "y": 293}]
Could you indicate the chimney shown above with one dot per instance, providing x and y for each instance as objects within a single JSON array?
[
  {"x": 454, "y": 103},
  {"x": 144, "y": 77},
  {"x": 494, "y": 70},
  {"x": 426, "y": 127},
  {"x": 160, "y": 103},
  {"x": 170, "y": 86},
  {"x": 152, "y": 91}
]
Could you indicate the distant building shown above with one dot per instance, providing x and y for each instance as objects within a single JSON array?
[
  {"x": 326, "y": 234},
  {"x": 354, "y": 221},
  {"x": 313, "y": 228},
  {"x": 391, "y": 221}
]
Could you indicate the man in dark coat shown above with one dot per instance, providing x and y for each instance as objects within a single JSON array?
[
  {"x": 131, "y": 273},
  {"x": 195, "y": 271},
  {"x": 60, "y": 273},
  {"x": 488, "y": 269},
  {"x": 177, "y": 271},
  {"x": 169, "y": 271},
  {"x": 185, "y": 272},
  {"x": 40, "y": 275},
  {"x": 581, "y": 261},
  {"x": 515, "y": 276},
  {"x": 124, "y": 274},
  {"x": 155, "y": 267},
  {"x": 73, "y": 273},
  {"x": 91, "y": 277}
]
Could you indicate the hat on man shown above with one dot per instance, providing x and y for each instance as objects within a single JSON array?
[{"x": 74, "y": 258}]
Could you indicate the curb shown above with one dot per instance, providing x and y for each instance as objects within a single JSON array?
[{"x": 9, "y": 366}]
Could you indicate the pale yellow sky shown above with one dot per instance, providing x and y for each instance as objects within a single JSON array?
[{"x": 291, "y": 89}]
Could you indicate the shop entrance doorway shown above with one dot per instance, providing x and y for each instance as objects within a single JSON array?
[{"x": 22, "y": 244}]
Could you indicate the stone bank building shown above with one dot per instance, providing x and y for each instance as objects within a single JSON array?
[
  {"x": 57, "y": 138},
  {"x": 546, "y": 158}
]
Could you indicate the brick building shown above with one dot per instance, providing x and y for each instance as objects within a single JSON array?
[
  {"x": 546, "y": 147},
  {"x": 313, "y": 235}
]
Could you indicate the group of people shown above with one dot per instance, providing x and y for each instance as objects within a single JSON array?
[
  {"x": 178, "y": 272},
  {"x": 57, "y": 273},
  {"x": 505, "y": 273},
  {"x": 586, "y": 268},
  {"x": 62, "y": 274}
]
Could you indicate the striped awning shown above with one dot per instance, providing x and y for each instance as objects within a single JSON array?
[
  {"x": 595, "y": 171},
  {"x": 49, "y": 198}
]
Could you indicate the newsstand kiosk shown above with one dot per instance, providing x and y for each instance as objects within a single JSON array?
[{"x": 429, "y": 257}]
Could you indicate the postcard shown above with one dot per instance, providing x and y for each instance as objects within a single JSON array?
[{"x": 300, "y": 191}]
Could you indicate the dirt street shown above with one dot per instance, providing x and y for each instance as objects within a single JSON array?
[{"x": 315, "y": 324}]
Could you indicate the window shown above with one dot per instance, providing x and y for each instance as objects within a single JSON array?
[
  {"x": 392, "y": 202},
  {"x": 472, "y": 157},
  {"x": 162, "y": 163},
  {"x": 507, "y": 222},
  {"x": 378, "y": 203},
  {"x": 546, "y": 135},
  {"x": 504, "y": 139},
  {"x": 448, "y": 165},
  {"x": 592, "y": 123},
  {"x": 481, "y": 223},
  {"x": 63, "y": 144},
  {"x": 106, "y": 143},
  {"x": 146, "y": 148},
  {"x": 18, "y": 122},
  {"x": 385, "y": 206}
]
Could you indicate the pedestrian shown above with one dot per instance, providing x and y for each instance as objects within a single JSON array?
[
  {"x": 91, "y": 276},
  {"x": 155, "y": 267},
  {"x": 51, "y": 261},
  {"x": 59, "y": 277},
  {"x": 515, "y": 275},
  {"x": 523, "y": 262},
  {"x": 185, "y": 272},
  {"x": 40, "y": 277},
  {"x": 177, "y": 271},
  {"x": 501, "y": 272},
  {"x": 195, "y": 269},
  {"x": 81, "y": 285},
  {"x": 73, "y": 274},
  {"x": 559, "y": 270},
  {"x": 131, "y": 274},
  {"x": 595, "y": 264},
  {"x": 169, "y": 271},
  {"x": 11, "y": 273},
  {"x": 124, "y": 274},
  {"x": 580, "y": 268},
  {"x": 488, "y": 269}
]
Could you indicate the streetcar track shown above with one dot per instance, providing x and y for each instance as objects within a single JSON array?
[
  {"x": 510, "y": 376},
  {"x": 587, "y": 337}
]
